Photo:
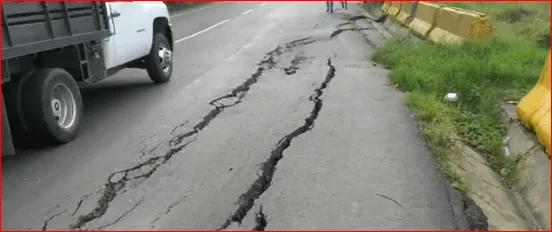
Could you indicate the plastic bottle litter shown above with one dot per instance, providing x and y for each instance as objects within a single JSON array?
[
  {"x": 505, "y": 146},
  {"x": 451, "y": 97}
]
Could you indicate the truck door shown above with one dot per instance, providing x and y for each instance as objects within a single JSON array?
[
  {"x": 128, "y": 27},
  {"x": 109, "y": 45}
]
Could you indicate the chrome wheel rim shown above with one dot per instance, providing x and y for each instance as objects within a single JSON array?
[
  {"x": 165, "y": 58},
  {"x": 63, "y": 106}
]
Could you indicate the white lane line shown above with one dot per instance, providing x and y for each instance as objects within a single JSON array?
[
  {"x": 264, "y": 3},
  {"x": 246, "y": 12},
  {"x": 198, "y": 9},
  {"x": 202, "y": 31}
]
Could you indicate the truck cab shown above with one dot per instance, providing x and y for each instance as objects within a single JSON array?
[
  {"x": 133, "y": 26},
  {"x": 50, "y": 49}
]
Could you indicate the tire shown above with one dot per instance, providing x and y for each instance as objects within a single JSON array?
[
  {"x": 50, "y": 107},
  {"x": 159, "y": 62}
]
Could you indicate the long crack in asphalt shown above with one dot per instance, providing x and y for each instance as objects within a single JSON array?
[
  {"x": 268, "y": 168},
  {"x": 340, "y": 30},
  {"x": 118, "y": 180}
]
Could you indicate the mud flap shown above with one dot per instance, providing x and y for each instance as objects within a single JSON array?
[{"x": 7, "y": 143}]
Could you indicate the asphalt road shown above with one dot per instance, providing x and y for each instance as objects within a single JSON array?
[{"x": 305, "y": 128}]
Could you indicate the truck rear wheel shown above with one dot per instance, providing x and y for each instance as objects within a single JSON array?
[
  {"x": 159, "y": 62},
  {"x": 50, "y": 106}
]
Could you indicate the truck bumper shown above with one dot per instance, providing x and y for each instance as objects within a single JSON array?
[{"x": 7, "y": 143}]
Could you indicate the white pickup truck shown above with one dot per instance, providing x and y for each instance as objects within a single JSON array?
[{"x": 49, "y": 49}]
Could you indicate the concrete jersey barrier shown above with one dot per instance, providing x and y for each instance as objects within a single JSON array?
[
  {"x": 393, "y": 9},
  {"x": 424, "y": 19},
  {"x": 440, "y": 24},
  {"x": 406, "y": 12},
  {"x": 534, "y": 108},
  {"x": 385, "y": 6}
]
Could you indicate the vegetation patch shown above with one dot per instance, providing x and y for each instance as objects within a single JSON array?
[{"x": 481, "y": 73}]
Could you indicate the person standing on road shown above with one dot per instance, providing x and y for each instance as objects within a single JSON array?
[
  {"x": 329, "y": 6},
  {"x": 344, "y": 5}
]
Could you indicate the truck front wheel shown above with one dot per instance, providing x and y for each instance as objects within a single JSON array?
[
  {"x": 50, "y": 106},
  {"x": 159, "y": 63}
]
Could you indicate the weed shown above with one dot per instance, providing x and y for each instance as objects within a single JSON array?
[
  {"x": 543, "y": 40},
  {"x": 513, "y": 15}
]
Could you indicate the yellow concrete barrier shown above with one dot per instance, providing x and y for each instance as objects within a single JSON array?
[
  {"x": 405, "y": 11},
  {"x": 425, "y": 19},
  {"x": 533, "y": 110},
  {"x": 474, "y": 25},
  {"x": 446, "y": 21},
  {"x": 440, "y": 24},
  {"x": 394, "y": 8},
  {"x": 453, "y": 25},
  {"x": 385, "y": 6}
]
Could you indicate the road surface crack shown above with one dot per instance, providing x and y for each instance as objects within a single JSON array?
[
  {"x": 45, "y": 225},
  {"x": 294, "y": 64},
  {"x": 474, "y": 215},
  {"x": 167, "y": 211},
  {"x": 260, "y": 220},
  {"x": 268, "y": 168},
  {"x": 79, "y": 204},
  {"x": 122, "y": 216},
  {"x": 391, "y": 199},
  {"x": 341, "y": 30},
  {"x": 117, "y": 181},
  {"x": 380, "y": 19}
]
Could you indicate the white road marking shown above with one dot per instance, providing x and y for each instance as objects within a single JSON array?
[
  {"x": 246, "y": 12},
  {"x": 264, "y": 3},
  {"x": 202, "y": 31},
  {"x": 198, "y": 9}
]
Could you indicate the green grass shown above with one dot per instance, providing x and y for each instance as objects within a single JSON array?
[{"x": 482, "y": 73}]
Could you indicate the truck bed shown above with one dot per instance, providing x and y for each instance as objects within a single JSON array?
[{"x": 32, "y": 27}]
